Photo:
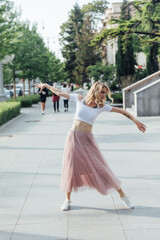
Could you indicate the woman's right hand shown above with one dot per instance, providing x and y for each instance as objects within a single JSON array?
[
  {"x": 140, "y": 126},
  {"x": 41, "y": 86}
]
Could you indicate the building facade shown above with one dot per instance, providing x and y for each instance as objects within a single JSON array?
[{"x": 110, "y": 48}]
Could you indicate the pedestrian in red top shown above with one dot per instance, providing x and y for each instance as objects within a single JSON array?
[{"x": 55, "y": 100}]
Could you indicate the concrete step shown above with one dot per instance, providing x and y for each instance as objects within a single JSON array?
[{"x": 131, "y": 111}]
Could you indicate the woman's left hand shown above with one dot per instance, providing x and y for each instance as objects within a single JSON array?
[{"x": 141, "y": 126}]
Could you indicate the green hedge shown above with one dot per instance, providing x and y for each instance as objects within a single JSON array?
[
  {"x": 26, "y": 101},
  {"x": 49, "y": 94},
  {"x": 35, "y": 98},
  {"x": 117, "y": 98},
  {"x": 9, "y": 110}
]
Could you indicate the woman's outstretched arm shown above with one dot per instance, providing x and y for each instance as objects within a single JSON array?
[
  {"x": 56, "y": 91},
  {"x": 139, "y": 125}
]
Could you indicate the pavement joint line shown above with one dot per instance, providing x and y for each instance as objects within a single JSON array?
[
  {"x": 67, "y": 225},
  {"x": 119, "y": 217},
  {"x": 36, "y": 173}
]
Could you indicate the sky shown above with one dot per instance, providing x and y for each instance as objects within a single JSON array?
[{"x": 50, "y": 15}]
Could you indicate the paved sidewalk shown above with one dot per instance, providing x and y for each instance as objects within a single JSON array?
[{"x": 31, "y": 149}]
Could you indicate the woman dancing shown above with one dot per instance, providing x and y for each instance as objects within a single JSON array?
[{"x": 83, "y": 163}]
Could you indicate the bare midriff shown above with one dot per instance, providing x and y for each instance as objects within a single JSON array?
[{"x": 81, "y": 126}]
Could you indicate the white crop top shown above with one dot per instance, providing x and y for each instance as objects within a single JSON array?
[{"x": 85, "y": 113}]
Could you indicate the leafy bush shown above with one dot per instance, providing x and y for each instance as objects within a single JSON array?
[
  {"x": 26, "y": 101},
  {"x": 117, "y": 98},
  {"x": 49, "y": 94},
  {"x": 35, "y": 99},
  {"x": 9, "y": 110}
]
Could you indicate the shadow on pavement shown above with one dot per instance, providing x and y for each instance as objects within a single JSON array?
[{"x": 141, "y": 211}]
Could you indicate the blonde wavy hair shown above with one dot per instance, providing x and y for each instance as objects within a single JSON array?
[{"x": 93, "y": 94}]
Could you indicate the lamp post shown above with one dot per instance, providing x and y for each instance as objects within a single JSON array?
[{"x": 6, "y": 60}]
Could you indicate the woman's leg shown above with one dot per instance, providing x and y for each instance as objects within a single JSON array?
[
  {"x": 121, "y": 193},
  {"x": 68, "y": 196},
  {"x": 67, "y": 104},
  {"x": 66, "y": 205},
  {"x": 54, "y": 104},
  {"x": 58, "y": 106},
  {"x": 42, "y": 107},
  {"x": 125, "y": 199}
]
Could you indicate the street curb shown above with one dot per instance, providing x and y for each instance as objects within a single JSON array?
[{"x": 10, "y": 121}]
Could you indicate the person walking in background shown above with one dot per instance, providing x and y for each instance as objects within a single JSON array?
[
  {"x": 72, "y": 88},
  {"x": 65, "y": 89},
  {"x": 43, "y": 95},
  {"x": 55, "y": 100},
  {"x": 83, "y": 163}
]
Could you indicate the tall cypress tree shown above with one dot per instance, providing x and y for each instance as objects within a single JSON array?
[
  {"x": 70, "y": 31},
  {"x": 85, "y": 55},
  {"x": 125, "y": 60},
  {"x": 152, "y": 59},
  {"x": 152, "y": 55}
]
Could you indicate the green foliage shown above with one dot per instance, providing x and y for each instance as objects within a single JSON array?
[
  {"x": 7, "y": 74},
  {"x": 76, "y": 36},
  {"x": 117, "y": 97},
  {"x": 114, "y": 85},
  {"x": 49, "y": 94},
  {"x": 125, "y": 59},
  {"x": 35, "y": 98},
  {"x": 56, "y": 69},
  {"x": 85, "y": 55},
  {"x": 33, "y": 59},
  {"x": 26, "y": 101},
  {"x": 9, "y": 110},
  {"x": 96, "y": 6},
  {"x": 152, "y": 59},
  {"x": 95, "y": 10},
  {"x": 68, "y": 39},
  {"x": 105, "y": 73},
  {"x": 140, "y": 74},
  {"x": 8, "y": 23},
  {"x": 147, "y": 13}
]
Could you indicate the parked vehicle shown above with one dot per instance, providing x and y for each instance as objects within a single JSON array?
[{"x": 7, "y": 92}]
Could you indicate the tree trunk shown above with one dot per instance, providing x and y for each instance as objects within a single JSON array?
[
  {"x": 29, "y": 86},
  {"x": 126, "y": 81},
  {"x": 14, "y": 83},
  {"x": 23, "y": 88},
  {"x": 34, "y": 87}
]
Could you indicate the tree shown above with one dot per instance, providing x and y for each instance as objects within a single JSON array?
[
  {"x": 85, "y": 55},
  {"x": 125, "y": 60},
  {"x": 95, "y": 10},
  {"x": 76, "y": 35},
  {"x": 68, "y": 39},
  {"x": 147, "y": 12},
  {"x": 105, "y": 73},
  {"x": 8, "y": 25},
  {"x": 144, "y": 24},
  {"x": 56, "y": 69}
]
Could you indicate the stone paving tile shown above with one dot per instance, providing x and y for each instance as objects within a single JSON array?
[{"x": 30, "y": 169}]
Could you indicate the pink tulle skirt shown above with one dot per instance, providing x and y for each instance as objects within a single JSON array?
[{"x": 84, "y": 165}]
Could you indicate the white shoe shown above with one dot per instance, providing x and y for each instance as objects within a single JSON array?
[
  {"x": 66, "y": 205},
  {"x": 127, "y": 202}
]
